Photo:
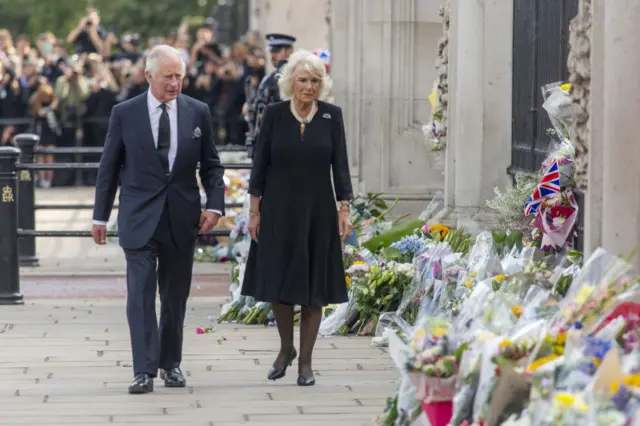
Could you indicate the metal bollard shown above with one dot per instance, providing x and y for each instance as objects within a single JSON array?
[
  {"x": 26, "y": 199},
  {"x": 9, "y": 267}
]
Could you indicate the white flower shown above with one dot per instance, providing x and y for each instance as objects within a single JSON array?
[{"x": 357, "y": 267}]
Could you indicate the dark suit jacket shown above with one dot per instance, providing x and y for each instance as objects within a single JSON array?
[{"x": 131, "y": 158}]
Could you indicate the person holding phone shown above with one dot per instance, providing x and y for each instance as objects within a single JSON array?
[{"x": 88, "y": 36}]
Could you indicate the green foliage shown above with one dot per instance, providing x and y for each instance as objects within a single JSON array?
[
  {"x": 510, "y": 203},
  {"x": 396, "y": 233},
  {"x": 146, "y": 17},
  {"x": 371, "y": 206}
]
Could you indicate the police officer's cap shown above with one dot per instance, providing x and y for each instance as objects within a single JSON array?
[{"x": 276, "y": 41}]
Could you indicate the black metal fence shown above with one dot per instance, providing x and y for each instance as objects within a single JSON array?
[
  {"x": 540, "y": 49},
  {"x": 17, "y": 209}
]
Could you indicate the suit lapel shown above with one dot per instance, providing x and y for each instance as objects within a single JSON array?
[{"x": 185, "y": 122}]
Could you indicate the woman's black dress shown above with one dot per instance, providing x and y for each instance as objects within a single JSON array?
[{"x": 298, "y": 257}]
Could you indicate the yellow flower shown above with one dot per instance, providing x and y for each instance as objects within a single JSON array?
[
  {"x": 632, "y": 381},
  {"x": 438, "y": 331},
  {"x": 468, "y": 283},
  {"x": 566, "y": 87},
  {"x": 517, "y": 311},
  {"x": 539, "y": 363},
  {"x": 358, "y": 262},
  {"x": 562, "y": 338},
  {"x": 614, "y": 387},
  {"x": 443, "y": 229},
  {"x": 583, "y": 294},
  {"x": 499, "y": 278},
  {"x": 347, "y": 278},
  {"x": 473, "y": 274},
  {"x": 564, "y": 399},
  {"x": 505, "y": 343}
]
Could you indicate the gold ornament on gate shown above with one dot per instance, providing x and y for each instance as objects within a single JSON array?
[
  {"x": 25, "y": 176},
  {"x": 7, "y": 194}
]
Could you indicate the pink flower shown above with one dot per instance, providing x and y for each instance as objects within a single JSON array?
[
  {"x": 199, "y": 330},
  {"x": 425, "y": 229}
]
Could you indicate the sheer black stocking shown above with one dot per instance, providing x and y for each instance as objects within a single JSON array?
[
  {"x": 309, "y": 326},
  {"x": 284, "y": 322}
]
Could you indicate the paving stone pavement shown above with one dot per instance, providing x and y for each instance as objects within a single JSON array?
[{"x": 67, "y": 362}]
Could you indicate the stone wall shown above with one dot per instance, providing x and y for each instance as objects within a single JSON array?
[
  {"x": 579, "y": 64},
  {"x": 383, "y": 56},
  {"x": 307, "y": 20},
  {"x": 442, "y": 68}
]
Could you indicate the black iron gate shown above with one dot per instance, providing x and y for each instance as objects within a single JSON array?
[{"x": 540, "y": 49}]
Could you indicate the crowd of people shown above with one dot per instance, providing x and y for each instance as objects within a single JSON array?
[{"x": 63, "y": 89}]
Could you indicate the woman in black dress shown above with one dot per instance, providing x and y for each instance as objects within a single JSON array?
[
  {"x": 43, "y": 109},
  {"x": 295, "y": 224}
]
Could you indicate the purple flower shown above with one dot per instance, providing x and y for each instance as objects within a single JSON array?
[{"x": 622, "y": 397}]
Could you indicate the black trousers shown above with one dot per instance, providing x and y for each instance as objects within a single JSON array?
[{"x": 159, "y": 265}]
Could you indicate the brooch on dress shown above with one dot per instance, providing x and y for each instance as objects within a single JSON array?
[{"x": 326, "y": 115}]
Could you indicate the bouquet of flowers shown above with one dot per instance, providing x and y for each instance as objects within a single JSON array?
[
  {"x": 433, "y": 369},
  {"x": 595, "y": 290},
  {"x": 382, "y": 292},
  {"x": 258, "y": 314}
]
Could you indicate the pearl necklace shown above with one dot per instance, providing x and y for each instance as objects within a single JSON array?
[{"x": 303, "y": 121}]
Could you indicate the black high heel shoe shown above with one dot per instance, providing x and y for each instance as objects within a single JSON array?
[
  {"x": 279, "y": 373},
  {"x": 306, "y": 381}
]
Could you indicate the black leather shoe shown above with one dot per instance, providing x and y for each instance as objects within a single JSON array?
[
  {"x": 279, "y": 373},
  {"x": 173, "y": 378},
  {"x": 142, "y": 383},
  {"x": 306, "y": 381}
]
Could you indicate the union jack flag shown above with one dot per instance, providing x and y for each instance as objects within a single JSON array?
[{"x": 548, "y": 185}]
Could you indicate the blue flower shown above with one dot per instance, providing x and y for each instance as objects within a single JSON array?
[{"x": 409, "y": 245}]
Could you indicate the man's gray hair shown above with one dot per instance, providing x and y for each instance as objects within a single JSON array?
[{"x": 163, "y": 51}]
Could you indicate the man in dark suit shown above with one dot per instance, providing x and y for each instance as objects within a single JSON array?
[{"x": 152, "y": 149}]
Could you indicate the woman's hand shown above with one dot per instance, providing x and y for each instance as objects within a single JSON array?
[
  {"x": 344, "y": 223},
  {"x": 254, "y": 227}
]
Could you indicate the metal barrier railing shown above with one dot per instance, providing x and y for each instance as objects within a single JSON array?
[
  {"x": 99, "y": 149},
  {"x": 17, "y": 212}
]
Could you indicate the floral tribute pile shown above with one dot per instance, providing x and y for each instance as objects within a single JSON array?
[
  {"x": 543, "y": 204},
  {"x": 509, "y": 326},
  {"x": 521, "y": 338},
  {"x": 222, "y": 249}
]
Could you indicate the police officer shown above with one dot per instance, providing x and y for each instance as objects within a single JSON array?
[{"x": 281, "y": 47}]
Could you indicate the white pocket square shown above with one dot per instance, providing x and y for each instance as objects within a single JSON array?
[
  {"x": 196, "y": 133},
  {"x": 326, "y": 115}
]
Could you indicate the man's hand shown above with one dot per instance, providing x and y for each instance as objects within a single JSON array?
[
  {"x": 99, "y": 233},
  {"x": 208, "y": 220}
]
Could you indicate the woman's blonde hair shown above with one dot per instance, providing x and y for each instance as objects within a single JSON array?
[
  {"x": 8, "y": 40},
  {"x": 42, "y": 97},
  {"x": 309, "y": 62}
]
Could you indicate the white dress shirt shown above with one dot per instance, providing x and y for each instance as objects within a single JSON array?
[{"x": 154, "y": 116}]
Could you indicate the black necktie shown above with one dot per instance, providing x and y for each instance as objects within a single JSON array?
[{"x": 164, "y": 137}]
